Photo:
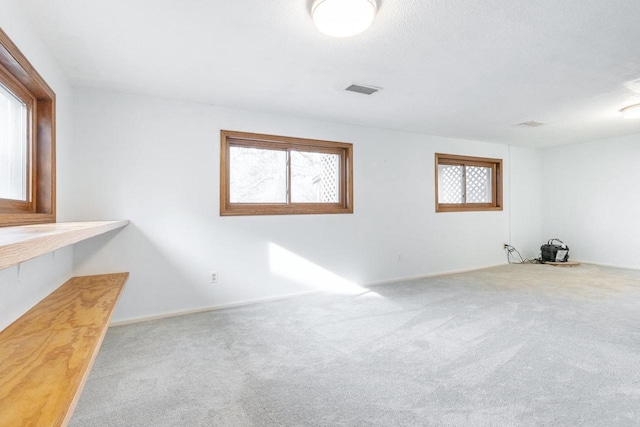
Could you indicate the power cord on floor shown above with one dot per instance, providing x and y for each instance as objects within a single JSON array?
[{"x": 512, "y": 252}]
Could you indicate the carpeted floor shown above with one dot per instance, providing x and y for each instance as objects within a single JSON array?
[{"x": 518, "y": 345}]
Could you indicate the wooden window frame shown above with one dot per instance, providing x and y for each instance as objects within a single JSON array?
[
  {"x": 19, "y": 76},
  {"x": 275, "y": 142},
  {"x": 496, "y": 182}
]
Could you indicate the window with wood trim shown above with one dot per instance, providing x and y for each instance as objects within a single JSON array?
[
  {"x": 278, "y": 175},
  {"x": 27, "y": 141},
  {"x": 465, "y": 183}
]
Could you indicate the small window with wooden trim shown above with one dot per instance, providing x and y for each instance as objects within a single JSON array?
[
  {"x": 465, "y": 183},
  {"x": 278, "y": 175},
  {"x": 27, "y": 141}
]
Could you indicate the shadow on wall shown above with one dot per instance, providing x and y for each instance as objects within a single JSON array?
[
  {"x": 168, "y": 273},
  {"x": 156, "y": 283}
]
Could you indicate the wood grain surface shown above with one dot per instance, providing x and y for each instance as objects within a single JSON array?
[
  {"x": 563, "y": 264},
  {"x": 46, "y": 355},
  {"x": 18, "y": 244}
]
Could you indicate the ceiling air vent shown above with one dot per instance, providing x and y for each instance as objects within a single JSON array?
[
  {"x": 365, "y": 90},
  {"x": 532, "y": 124}
]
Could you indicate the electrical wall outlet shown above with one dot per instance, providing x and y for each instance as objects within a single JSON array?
[
  {"x": 504, "y": 246},
  {"x": 214, "y": 277}
]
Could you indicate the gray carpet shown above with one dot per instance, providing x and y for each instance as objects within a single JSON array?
[{"x": 508, "y": 346}]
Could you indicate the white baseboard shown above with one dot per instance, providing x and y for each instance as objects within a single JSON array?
[
  {"x": 287, "y": 296},
  {"x": 211, "y": 308},
  {"x": 425, "y": 276}
]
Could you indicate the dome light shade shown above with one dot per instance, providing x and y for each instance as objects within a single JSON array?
[
  {"x": 343, "y": 18},
  {"x": 631, "y": 112}
]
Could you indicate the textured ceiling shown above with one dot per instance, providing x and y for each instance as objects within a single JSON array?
[{"x": 457, "y": 68}]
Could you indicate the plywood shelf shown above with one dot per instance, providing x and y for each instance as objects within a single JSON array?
[
  {"x": 563, "y": 264},
  {"x": 19, "y": 244},
  {"x": 46, "y": 355}
]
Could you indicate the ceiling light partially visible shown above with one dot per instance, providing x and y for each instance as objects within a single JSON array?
[
  {"x": 343, "y": 18},
  {"x": 531, "y": 123},
  {"x": 631, "y": 112}
]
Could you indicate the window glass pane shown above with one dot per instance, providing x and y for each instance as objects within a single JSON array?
[
  {"x": 450, "y": 184},
  {"x": 315, "y": 177},
  {"x": 478, "y": 184},
  {"x": 13, "y": 147},
  {"x": 257, "y": 175}
]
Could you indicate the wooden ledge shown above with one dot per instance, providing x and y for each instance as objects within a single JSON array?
[
  {"x": 46, "y": 355},
  {"x": 19, "y": 244},
  {"x": 563, "y": 264}
]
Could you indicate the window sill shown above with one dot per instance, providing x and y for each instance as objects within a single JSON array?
[
  {"x": 297, "y": 209},
  {"x": 19, "y": 244},
  {"x": 466, "y": 208},
  {"x": 14, "y": 219}
]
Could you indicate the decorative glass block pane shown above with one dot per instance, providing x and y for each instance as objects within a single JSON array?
[
  {"x": 479, "y": 185},
  {"x": 315, "y": 177},
  {"x": 14, "y": 148},
  {"x": 257, "y": 175},
  {"x": 450, "y": 184}
]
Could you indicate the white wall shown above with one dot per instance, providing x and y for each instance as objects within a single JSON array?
[
  {"x": 23, "y": 286},
  {"x": 526, "y": 201},
  {"x": 591, "y": 200},
  {"x": 155, "y": 162}
]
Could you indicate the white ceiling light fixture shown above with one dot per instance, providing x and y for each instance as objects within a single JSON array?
[
  {"x": 631, "y": 112},
  {"x": 343, "y": 18},
  {"x": 531, "y": 123}
]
